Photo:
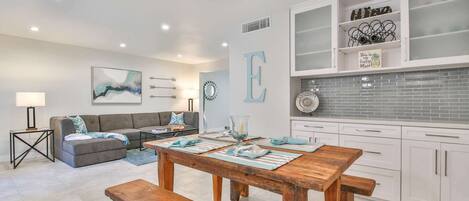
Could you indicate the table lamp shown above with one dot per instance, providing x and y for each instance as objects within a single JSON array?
[
  {"x": 30, "y": 100},
  {"x": 190, "y": 94}
]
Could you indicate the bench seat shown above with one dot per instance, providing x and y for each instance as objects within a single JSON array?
[{"x": 141, "y": 190}]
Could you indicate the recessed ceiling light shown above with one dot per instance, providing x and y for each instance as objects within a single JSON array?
[
  {"x": 165, "y": 27},
  {"x": 224, "y": 44},
  {"x": 123, "y": 45},
  {"x": 179, "y": 55},
  {"x": 34, "y": 28}
]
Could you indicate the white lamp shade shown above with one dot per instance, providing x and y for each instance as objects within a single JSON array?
[
  {"x": 30, "y": 99},
  {"x": 189, "y": 93}
]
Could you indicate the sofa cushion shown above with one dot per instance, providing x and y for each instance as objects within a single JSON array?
[
  {"x": 165, "y": 118},
  {"x": 92, "y": 122},
  {"x": 131, "y": 133},
  {"x": 190, "y": 118},
  {"x": 79, "y": 147},
  {"x": 145, "y": 119},
  {"x": 110, "y": 122}
]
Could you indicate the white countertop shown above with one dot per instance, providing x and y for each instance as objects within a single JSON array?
[{"x": 386, "y": 122}]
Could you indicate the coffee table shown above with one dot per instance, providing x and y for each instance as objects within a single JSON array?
[{"x": 167, "y": 134}]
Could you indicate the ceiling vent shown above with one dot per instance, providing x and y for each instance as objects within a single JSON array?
[{"x": 256, "y": 25}]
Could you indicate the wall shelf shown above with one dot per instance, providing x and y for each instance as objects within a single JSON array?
[
  {"x": 394, "y": 16},
  {"x": 385, "y": 45}
]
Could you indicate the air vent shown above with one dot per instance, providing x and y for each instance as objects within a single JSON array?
[{"x": 256, "y": 25}]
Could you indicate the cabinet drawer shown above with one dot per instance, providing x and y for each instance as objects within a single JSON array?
[
  {"x": 324, "y": 127},
  {"x": 436, "y": 134},
  {"x": 371, "y": 130},
  {"x": 377, "y": 152},
  {"x": 316, "y": 137},
  {"x": 388, "y": 182}
]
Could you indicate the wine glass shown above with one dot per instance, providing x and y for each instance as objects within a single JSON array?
[{"x": 239, "y": 128}]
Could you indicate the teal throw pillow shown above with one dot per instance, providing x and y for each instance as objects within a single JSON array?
[
  {"x": 79, "y": 124},
  {"x": 177, "y": 119}
]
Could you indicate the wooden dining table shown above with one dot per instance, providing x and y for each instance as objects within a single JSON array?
[{"x": 319, "y": 171}]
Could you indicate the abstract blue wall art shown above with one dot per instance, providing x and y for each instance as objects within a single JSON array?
[
  {"x": 112, "y": 86},
  {"x": 251, "y": 77}
]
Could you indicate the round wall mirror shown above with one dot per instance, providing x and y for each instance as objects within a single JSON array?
[{"x": 210, "y": 90}]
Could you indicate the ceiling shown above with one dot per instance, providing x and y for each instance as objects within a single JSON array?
[{"x": 198, "y": 27}]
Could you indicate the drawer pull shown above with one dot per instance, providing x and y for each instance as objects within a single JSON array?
[
  {"x": 378, "y": 184},
  {"x": 436, "y": 161},
  {"x": 445, "y": 136},
  {"x": 446, "y": 163},
  {"x": 373, "y": 152},
  {"x": 308, "y": 126},
  {"x": 368, "y": 130}
]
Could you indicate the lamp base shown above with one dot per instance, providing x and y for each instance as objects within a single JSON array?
[{"x": 31, "y": 119}]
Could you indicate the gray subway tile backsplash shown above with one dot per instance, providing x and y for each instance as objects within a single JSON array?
[{"x": 433, "y": 96}]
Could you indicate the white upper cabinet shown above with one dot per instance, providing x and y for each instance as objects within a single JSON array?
[
  {"x": 436, "y": 32},
  {"x": 425, "y": 34},
  {"x": 313, "y": 27}
]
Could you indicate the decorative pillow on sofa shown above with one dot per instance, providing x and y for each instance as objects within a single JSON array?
[
  {"x": 177, "y": 119},
  {"x": 79, "y": 124}
]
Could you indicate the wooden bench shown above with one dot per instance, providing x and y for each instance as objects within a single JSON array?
[
  {"x": 141, "y": 190},
  {"x": 352, "y": 185}
]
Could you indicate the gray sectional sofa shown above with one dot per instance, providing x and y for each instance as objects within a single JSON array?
[{"x": 88, "y": 152}]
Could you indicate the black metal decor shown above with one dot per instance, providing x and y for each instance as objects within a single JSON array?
[
  {"x": 31, "y": 125},
  {"x": 372, "y": 32},
  {"x": 362, "y": 13}
]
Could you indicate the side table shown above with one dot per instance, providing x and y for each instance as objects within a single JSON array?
[{"x": 46, "y": 133}]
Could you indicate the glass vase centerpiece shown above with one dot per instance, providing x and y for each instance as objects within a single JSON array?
[{"x": 239, "y": 128}]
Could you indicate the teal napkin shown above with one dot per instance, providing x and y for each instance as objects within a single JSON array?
[
  {"x": 185, "y": 142},
  {"x": 288, "y": 140},
  {"x": 249, "y": 151}
]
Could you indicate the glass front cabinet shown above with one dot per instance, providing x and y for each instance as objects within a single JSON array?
[
  {"x": 436, "y": 32},
  {"x": 428, "y": 33},
  {"x": 313, "y": 29}
]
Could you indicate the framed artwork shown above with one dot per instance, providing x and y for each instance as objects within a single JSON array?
[
  {"x": 370, "y": 58},
  {"x": 111, "y": 86}
]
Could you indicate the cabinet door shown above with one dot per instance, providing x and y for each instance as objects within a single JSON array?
[
  {"x": 303, "y": 135},
  {"x": 313, "y": 37},
  {"x": 455, "y": 172},
  {"x": 435, "y": 32},
  {"x": 326, "y": 138},
  {"x": 420, "y": 171}
]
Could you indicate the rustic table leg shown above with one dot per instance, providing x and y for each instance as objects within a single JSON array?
[
  {"x": 333, "y": 192},
  {"x": 244, "y": 190},
  {"x": 294, "y": 193},
  {"x": 235, "y": 190},
  {"x": 165, "y": 172},
  {"x": 347, "y": 196},
  {"x": 217, "y": 187}
]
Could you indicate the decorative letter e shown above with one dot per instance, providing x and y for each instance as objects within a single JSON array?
[{"x": 250, "y": 77}]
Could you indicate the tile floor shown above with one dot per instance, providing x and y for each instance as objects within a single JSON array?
[{"x": 41, "y": 180}]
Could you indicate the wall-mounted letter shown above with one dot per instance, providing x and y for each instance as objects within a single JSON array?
[{"x": 251, "y": 77}]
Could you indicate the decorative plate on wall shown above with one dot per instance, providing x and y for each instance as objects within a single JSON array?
[{"x": 307, "y": 102}]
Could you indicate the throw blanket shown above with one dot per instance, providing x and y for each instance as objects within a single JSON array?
[{"x": 95, "y": 135}]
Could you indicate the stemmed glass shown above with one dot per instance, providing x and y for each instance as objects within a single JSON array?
[{"x": 239, "y": 128}]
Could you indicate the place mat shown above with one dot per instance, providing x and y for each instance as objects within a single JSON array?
[
  {"x": 271, "y": 161},
  {"x": 201, "y": 147},
  {"x": 225, "y": 138},
  {"x": 306, "y": 148}
]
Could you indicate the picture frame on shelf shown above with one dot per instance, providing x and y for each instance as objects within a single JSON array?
[{"x": 370, "y": 58}]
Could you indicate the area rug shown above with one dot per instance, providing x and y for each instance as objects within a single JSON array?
[{"x": 138, "y": 158}]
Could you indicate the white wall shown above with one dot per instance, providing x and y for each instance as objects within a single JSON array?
[
  {"x": 217, "y": 111},
  {"x": 270, "y": 118},
  {"x": 218, "y": 65},
  {"x": 64, "y": 72}
]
